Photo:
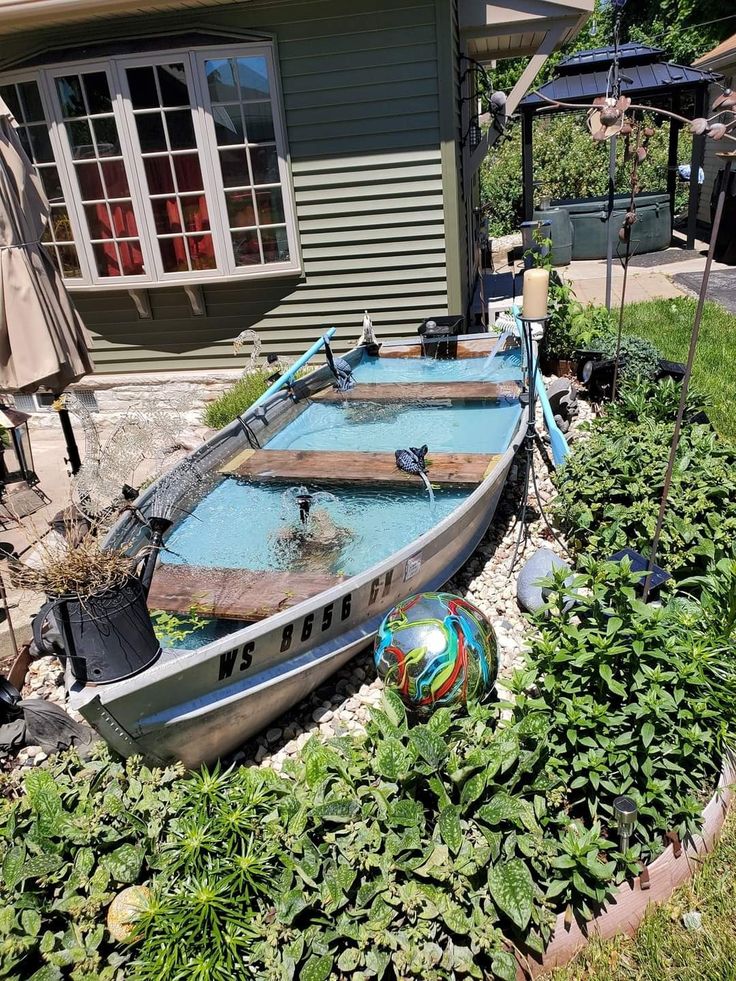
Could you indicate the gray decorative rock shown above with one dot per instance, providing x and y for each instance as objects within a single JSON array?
[{"x": 540, "y": 565}]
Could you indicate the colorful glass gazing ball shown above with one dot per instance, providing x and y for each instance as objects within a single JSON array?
[{"x": 437, "y": 649}]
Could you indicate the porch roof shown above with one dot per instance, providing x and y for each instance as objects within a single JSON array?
[
  {"x": 519, "y": 28},
  {"x": 719, "y": 57},
  {"x": 504, "y": 29}
]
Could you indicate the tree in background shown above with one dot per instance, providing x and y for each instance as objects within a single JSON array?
[{"x": 685, "y": 29}]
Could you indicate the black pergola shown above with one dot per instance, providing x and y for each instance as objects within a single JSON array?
[{"x": 645, "y": 77}]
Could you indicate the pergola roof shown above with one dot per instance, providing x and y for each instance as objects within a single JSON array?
[{"x": 583, "y": 76}]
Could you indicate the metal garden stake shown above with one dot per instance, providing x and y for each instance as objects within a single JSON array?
[{"x": 729, "y": 158}]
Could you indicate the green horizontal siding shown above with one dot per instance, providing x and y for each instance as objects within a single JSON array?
[{"x": 361, "y": 93}]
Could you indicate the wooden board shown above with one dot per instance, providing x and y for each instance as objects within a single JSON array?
[
  {"x": 421, "y": 391},
  {"x": 232, "y": 594},
  {"x": 476, "y": 347},
  {"x": 335, "y": 467},
  {"x": 232, "y": 465}
]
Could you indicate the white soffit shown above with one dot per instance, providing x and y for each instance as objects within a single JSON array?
[{"x": 516, "y": 28}]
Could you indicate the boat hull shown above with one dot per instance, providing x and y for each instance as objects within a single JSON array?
[{"x": 196, "y": 706}]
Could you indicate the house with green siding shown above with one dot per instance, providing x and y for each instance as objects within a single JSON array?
[{"x": 281, "y": 165}]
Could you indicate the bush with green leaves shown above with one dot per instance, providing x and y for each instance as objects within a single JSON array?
[
  {"x": 640, "y": 699},
  {"x": 611, "y": 484},
  {"x": 421, "y": 851},
  {"x": 218, "y": 859},
  {"x": 641, "y": 398},
  {"x": 71, "y": 836},
  {"x": 573, "y": 327},
  {"x": 637, "y": 357},
  {"x": 412, "y": 853}
]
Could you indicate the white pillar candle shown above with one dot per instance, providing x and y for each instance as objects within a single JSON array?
[{"x": 536, "y": 288}]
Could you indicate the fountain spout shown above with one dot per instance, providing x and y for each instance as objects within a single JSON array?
[
  {"x": 304, "y": 501},
  {"x": 412, "y": 461}
]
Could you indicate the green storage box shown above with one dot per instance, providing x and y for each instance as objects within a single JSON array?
[{"x": 560, "y": 231}]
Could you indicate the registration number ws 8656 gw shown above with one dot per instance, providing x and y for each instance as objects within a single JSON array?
[
  {"x": 296, "y": 633},
  {"x": 308, "y": 628}
]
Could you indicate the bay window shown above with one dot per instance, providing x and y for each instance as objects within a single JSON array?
[{"x": 165, "y": 168}]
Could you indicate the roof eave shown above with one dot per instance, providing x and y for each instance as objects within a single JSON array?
[
  {"x": 23, "y": 15},
  {"x": 719, "y": 57},
  {"x": 516, "y": 28}
]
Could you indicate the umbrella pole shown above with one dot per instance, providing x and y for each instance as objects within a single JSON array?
[
  {"x": 688, "y": 371},
  {"x": 72, "y": 450}
]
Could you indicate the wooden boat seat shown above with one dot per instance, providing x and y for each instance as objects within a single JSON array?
[
  {"x": 338, "y": 467},
  {"x": 475, "y": 347},
  {"x": 232, "y": 594},
  {"x": 421, "y": 391}
]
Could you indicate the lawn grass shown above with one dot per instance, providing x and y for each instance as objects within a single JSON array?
[
  {"x": 663, "y": 950},
  {"x": 668, "y": 323}
]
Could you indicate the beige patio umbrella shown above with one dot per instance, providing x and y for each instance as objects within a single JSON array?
[{"x": 43, "y": 342}]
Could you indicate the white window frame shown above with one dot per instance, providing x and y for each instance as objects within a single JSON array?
[{"x": 207, "y": 153}]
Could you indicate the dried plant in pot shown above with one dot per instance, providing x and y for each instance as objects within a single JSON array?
[{"x": 96, "y": 615}]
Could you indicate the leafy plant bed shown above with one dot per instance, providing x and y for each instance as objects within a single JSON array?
[
  {"x": 611, "y": 485},
  {"x": 430, "y": 850},
  {"x": 624, "y": 913}
]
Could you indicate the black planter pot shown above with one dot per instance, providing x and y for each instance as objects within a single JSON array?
[
  {"x": 106, "y": 637},
  {"x": 671, "y": 369}
]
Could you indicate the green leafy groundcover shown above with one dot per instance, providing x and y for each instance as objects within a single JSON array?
[
  {"x": 430, "y": 850},
  {"x": 78, "y": 834},
  {"x": 611, "y": 485}
]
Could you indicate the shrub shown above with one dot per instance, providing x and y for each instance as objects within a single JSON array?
[
  {"x": 641, "y": 398},
  {"x": 377, "y": 857},
  {"x": 641, "y": 701},
  {"x": 218, "y": 859},
  {"x": 573, "y": 327},
  {"x": 611, "y": 484},
  {"x": 638, "y": 358}
]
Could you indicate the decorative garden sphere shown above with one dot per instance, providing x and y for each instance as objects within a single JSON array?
[
  {"x": 125, "y": 910},
  {"x": 437, "y": 649}
]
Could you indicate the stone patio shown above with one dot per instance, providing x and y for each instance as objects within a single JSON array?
[{"x": 676, "y": 271}]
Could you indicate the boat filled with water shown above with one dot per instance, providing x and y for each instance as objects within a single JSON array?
[{"x": 287, "y": 536}]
